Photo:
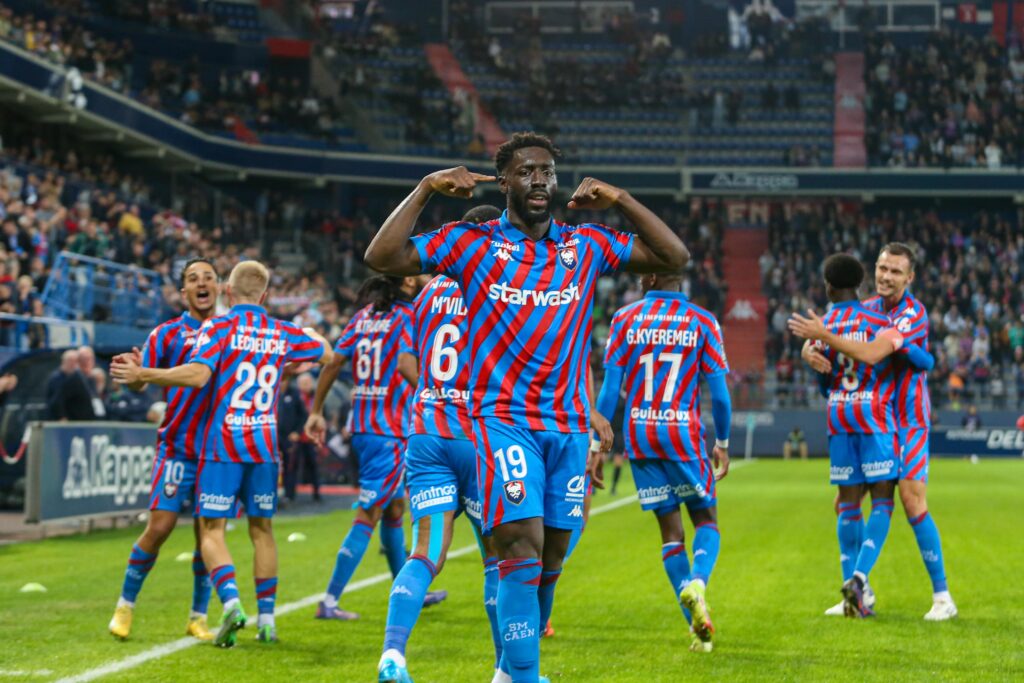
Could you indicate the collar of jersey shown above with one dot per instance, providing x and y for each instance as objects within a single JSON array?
[
  {"x": 248, "y": 308},
  {"x": 846, "y": 304},
  {"x": 664, "y": 294},
  {"x": 514, "y": 234},
  {"x": 191, "y": 320}
]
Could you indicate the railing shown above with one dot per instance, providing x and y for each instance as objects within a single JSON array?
[
  {"x": 881, "y": 15},
  {"x": 87, "y": 288},
  {"x": 29, "y": 333}
]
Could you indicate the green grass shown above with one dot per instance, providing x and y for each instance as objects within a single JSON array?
[{"x": 615, "y": 616}]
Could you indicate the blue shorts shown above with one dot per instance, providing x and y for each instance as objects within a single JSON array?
[
  {"x": 223, "y": 486},
  {"x": 914, "y": 453},
  {"x": 863, "y": 458},
  {"x": 664, "y": 485},
  {"x": 441, "y": 476},
  {"x": 525, "y": 473},
  {"x": 174, "y": 484},
  {"x": 381, "y": 463}
]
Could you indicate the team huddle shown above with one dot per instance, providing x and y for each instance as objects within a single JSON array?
[{"x": 472, "y": 392}]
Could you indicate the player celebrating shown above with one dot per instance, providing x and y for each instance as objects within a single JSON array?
[
  {"x": 528, "y": 283},
  {"x": 440, "y": 462},
  {"x": 894, "y": 272},
  {"x": 174, "y": 469},
  {"x": 663, "y": 344},
  {"x": 861, "y": 418},
  {"x": 244, "y": 353},
  {"x": 378, "y": 341}
]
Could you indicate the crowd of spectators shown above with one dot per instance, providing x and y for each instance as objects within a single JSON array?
[
  {"x": 968, "y": 276},
  {"x": 958, "y": 101}
]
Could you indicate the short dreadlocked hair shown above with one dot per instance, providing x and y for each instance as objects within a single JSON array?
[
  {"x": 521, "y": 141},
  {"x": 843, "y": 271}
]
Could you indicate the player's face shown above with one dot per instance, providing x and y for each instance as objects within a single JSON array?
[
  {"x": 892, "y": 275},
  {"x": 529, "y": 182},
  {"x": 200, "y": 290}
]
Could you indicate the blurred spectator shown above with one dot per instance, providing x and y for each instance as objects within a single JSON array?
[
  {"x": 971, "y": 421},
  {"x": 155, "y": 414},
  {"x": 69, "y": 393},
  {"x": 796, "y": 442},
  {"x": 299, "y": 451}
]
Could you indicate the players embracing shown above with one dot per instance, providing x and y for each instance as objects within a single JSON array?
[
  {"x": 241, "y": 356},
  {"x": 528, "y": 286}
]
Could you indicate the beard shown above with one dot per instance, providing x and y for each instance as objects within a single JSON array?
[{"x": 531, "y": 216}]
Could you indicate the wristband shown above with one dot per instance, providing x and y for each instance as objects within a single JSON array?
[{"x": 722, "y": 443}]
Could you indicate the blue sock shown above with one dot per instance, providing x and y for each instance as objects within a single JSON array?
[
  {"x": 930, "y": 545},
  {"x": 491, "y": 603},
  {"x": 574, "y": 540},
  {"x": 349, "y": 555},
  {"x": 519, "y": 617},
  {"x": 406, "y": 601},
  {"x": 706, "y": 541},
  {"x": 392, "y": 537},
  {"x": 224, "y": 580},
  {"x": 201, "y": 585},
  {"x": 877, "y": 530},
  {"x": 850, "y": 529},
  {"x": 139, "y": 564},
  {"x": 546, "y": 594},
  {"x": 266, "y": 594},
  {"x": 677, "y": 567}
]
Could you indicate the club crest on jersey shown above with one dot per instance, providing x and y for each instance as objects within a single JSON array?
[
  {"x": 568, "y": 257},
  {"x": 170, "y": 489},
  {"x": 515, "y": 491}
]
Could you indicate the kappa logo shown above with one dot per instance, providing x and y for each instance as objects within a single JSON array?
[
  {"x": 741, "y": 310},
  {"x": 401, "y": 590},
  {"x": 568, "y": 257},
  {"x": 868, "y": 543},
  {"x": 170, "y": 490},
  {"x": 503, "y": 255},
  {"x": 577, "y": 511},
  {"x": 515, "y": 491}
]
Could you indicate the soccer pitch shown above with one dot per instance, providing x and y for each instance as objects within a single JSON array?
[{"x": 615, "y": 617}]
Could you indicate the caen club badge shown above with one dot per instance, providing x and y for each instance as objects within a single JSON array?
[
  {"x": 568, "y": 257},
  {"x": 515, "y": 491}
]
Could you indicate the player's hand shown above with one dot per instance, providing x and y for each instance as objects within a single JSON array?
[
  {"x": 127, "y": 371},
  {"x": 316, "y": 427},
  {"x": 720, "y": 461},
  {"x": 134, "y": 355},
  {"x": 595, "y": 194},
  {"x": 811, "y": 327},
  {"x": 456, "y": 182},
  {"x": 595, "y": 468},
  {"x": 293, "y": 437},
  {"x": 603, "y": 429},
  {"x": 813, "y": 356}
]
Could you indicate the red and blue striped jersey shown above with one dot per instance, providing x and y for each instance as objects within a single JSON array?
[
  {"x": 909, "y": 316},
  {"x": 529, "y": 312},
  {"x": 169, "y": 345},
  {"x": 372, "y": 342},
  {"x": 439, "y": 408},
  {"x": 247, "y": 350},
  {"x": 860, "y": 396},
  {"x": 665, "y": 344}
]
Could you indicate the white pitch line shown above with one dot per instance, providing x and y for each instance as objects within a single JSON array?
[{"x": 170, "y": 648}]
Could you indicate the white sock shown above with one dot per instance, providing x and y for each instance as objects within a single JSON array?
[
  {"x": 231, "y": 604},
  {"x": 942, "y": 596},
  {"x": 330, "y": 601},
  {"x": 121, "y": 602},
  {"x": 264, "y": 620},
  {"x": 501, "y": 677},
  {"x": 196, "y": 615},
  {"x": 394, "y": 655},
  {"x": 862, "y": 577}
]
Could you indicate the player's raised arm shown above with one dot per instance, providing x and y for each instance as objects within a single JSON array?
[
  {"x": 884, "y": 344},
  {"x": 657, "y": 249},
  {"x": 391, "y": 252}
]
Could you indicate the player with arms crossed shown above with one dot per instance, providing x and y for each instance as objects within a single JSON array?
[
  {"x": 378, "y": 342},
  {"x": 663, "y": 345},
  {"x": 528, "y": 283},
  {"x": 894, "y": 273},
  {"x": 177, "y": 450},
  {"x": 863, "y": 447},
  {"x": 242, "y": 355}
]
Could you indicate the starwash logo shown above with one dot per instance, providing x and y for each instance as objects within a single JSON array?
[{"x": 552, "y": 297}]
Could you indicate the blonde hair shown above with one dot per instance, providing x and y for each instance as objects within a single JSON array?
[{"x": 249, "y": 280}]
